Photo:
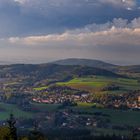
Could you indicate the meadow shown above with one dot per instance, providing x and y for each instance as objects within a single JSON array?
[
  {"x": 7, "y": 109},
  {"x": 128, "y": 117},
  {"x": 94, "y": 83},
  {"x": 40, "y": 88}
]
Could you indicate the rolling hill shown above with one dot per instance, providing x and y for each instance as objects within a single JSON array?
[
  {"x": 87, "y": 62},
  {"x": 42, "y": 71},
  {"x": 129, "y": 71}
]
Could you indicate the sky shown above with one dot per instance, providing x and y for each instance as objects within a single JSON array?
[{"x": 40, "y": 31}]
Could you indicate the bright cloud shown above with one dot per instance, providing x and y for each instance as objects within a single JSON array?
[
  {"x": 111, "y": 37},
  {"x": 128, "y": 3},
  {"x": 120, "y": 31},
  {"x": 117, "y": 40}
]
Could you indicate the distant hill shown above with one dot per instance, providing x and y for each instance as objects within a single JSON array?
[
  {"x": 87, "y": 62},
  {"x": 54, "y": 71},
  {"x": 5, "y": 62},
  {"x": 132, "y": 70},
  {"x": 62, "y": 69}
]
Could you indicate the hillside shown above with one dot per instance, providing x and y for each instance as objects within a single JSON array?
[
  {"x": 134, "y": 68},
  {"x": 131, "y": 70},
  {"x": 44, "y": 91},
  {"x": 86, "y": 62},
  {"x": 42, "y": 71}
]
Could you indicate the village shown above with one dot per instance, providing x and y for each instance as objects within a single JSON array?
[
  {"x": 125, "y": 101},
  {"x": 67, "y": 99}
]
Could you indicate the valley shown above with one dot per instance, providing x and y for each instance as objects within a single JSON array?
[{"x": 70, "y": 96}]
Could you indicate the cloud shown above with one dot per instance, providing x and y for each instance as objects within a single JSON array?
[
  {"x": 117, "y": 32},
  {"x": 117, "y": 41},
  {"x": 39, "y": 29},
  {"x": 37, "y": 17},
  {"x": 125, "y": 3},
  {"x": 20, "y": 1}
]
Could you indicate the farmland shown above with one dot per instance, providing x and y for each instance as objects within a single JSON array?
[
  {"x": 70, "y": 97},
  {"x": 128, "y": 117},
  {"x": 7, "y": 109},
  {"x": 96, "y": 82}
]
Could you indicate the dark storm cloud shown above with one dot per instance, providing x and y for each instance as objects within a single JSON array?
[{"x": 30, "y": 17}]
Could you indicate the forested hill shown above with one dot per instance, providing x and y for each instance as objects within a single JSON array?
[
  {"x": 68, "y": 67},
  {"x": 51, "y": 70},
  {"x": 86, "y": 62},
  {"x": 130, "y": 70}
]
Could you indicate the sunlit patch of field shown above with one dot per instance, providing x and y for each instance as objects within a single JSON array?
[
  {"x": 96, "y": 82},
  {"x": 40, "y": 88},
  {"x": 84, "y": 83}
]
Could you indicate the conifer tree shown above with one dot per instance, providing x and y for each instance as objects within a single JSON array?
[{"x": 11, "y": 124}]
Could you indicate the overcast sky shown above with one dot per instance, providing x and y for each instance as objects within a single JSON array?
[{"x": 38, "y": 31}]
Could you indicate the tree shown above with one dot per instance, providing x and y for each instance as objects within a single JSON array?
[
  {"x": 11, "y": 124},
  {"x": 35, "y": 134}
]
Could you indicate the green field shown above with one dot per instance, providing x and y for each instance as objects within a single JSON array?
[
  {"x": 118, "y": 117},
  {"x": 7, "y": 109},
  {"x": 46, "y": 107},
  {"x": 92, "y": 81},
  {"x": 40, "y": 88},
  {"x": 97, "y": 82}
]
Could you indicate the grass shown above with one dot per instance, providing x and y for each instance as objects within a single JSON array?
[
  {"x": 84, "y": 83},
  {"x": 46, "y": 107},
  {"x": 97, "y": 82},
  {"x": 117, "y": 117},
  {"x": 40, "y": 88},
  {"x": 86, "y": 104},
  {"x": 9, "y": 108},
  {"x": 111, "y": 132},
  {"x": 93, "y": 82},
  {"x": 89, "y": 105}
]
